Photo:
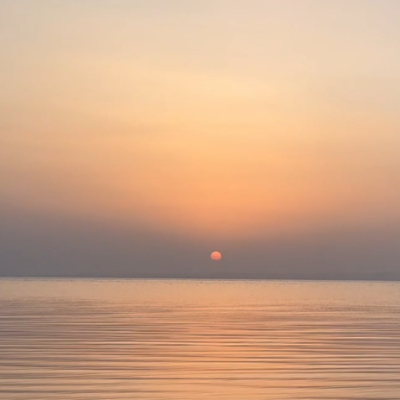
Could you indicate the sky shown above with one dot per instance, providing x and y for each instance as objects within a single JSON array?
[{"x": 138, "y": 136}]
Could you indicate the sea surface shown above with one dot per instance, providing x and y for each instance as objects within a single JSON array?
[{"x": 209, "y": 340}]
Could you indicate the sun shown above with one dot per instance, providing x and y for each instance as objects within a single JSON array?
[{"x": 216, "y": 256}]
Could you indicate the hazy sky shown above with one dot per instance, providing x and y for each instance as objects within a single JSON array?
[{"x": 136, "y": 136}]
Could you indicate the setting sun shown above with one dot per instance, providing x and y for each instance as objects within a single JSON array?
[{"x": 216, "y": 256}]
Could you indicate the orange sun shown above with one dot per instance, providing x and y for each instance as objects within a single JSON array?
[{"x": 216, "y": 256}]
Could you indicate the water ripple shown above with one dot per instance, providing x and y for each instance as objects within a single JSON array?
[{"x": 158, "y": 340}]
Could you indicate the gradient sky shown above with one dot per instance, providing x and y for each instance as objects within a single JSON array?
[{"x": 136, "y": 136}]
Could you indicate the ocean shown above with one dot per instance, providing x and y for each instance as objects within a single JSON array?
[{"x": 192, "y": 339}]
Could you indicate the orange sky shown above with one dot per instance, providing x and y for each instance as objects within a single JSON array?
[{"x": 225, "y": 119}]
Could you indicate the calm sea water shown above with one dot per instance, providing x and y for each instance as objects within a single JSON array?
[{"x": 247, "y": 340}]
